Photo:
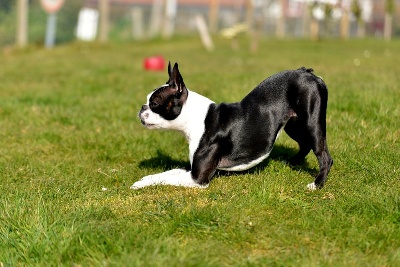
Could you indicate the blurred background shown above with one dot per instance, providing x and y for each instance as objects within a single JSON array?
[{"x": 24, "y": 22}]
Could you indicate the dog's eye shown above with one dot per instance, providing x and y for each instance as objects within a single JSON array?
[{"x": 153, "y": 105}]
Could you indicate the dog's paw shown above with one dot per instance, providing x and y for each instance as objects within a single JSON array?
[
  {"x": 312, "y": 186},
  {"x": 137, "y": 186},
  {"x": 174, "y": 172},
  {"x": 176, "y": 177},
  {"x": 145, "y": 181}
]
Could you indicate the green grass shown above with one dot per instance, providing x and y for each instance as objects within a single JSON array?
[{"x": 69, "y": 130}]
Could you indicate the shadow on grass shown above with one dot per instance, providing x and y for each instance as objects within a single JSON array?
[
  {"x": 163, "y": 160},
  {"x": 279, "y": 153}
]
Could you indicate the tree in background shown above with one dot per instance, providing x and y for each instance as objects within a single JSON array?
[
  {"x": 344, "y": 21},
  {"x": 329, "y": 23},
  {"x": 356, "y": 9},
  {"x": 388, "y": 26},
  {"x": 281, "y": 23},
  {"x": 314, "y": 24}
]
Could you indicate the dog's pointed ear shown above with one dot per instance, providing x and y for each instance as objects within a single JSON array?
[
  {"x": 169, "y": 68},
  {"x": 169, "y": 72},
  {"x": 176, "y": 80}
]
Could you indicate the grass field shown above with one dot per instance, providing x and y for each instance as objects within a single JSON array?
[{"x": 71, "y": 145}]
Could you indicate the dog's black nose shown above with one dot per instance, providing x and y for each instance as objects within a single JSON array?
[{"x": 144, "y": 108}]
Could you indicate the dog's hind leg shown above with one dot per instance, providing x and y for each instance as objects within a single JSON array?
[
  {"x": 309, "y": 129},
  {"x": 316, "y": 125},
  {"x": 311, "y": 138},
  {"x": 325, "y": 162},
  {"x": 297, "y": 131}
]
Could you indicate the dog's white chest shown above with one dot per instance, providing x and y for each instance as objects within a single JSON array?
[{"x": 192, "y": 117}]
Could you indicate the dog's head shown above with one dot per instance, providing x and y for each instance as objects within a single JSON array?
[{"x": 165, "y": 103}]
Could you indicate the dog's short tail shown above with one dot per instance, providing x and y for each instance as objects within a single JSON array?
[{"x": 309, "y": 70}]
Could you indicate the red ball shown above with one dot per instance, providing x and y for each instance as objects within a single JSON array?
[{"x": 156, "y": 63}]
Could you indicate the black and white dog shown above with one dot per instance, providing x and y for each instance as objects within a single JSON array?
[{"x": 238, "y": 136}]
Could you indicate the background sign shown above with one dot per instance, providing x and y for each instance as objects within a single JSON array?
[{"x": 51, "y": 6}]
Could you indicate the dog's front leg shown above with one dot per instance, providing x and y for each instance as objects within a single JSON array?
[
  {"x": 176, "y": 177},
  {"x": 205, "y": 162}
]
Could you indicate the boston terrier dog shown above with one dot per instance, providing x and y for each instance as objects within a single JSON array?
[{"x": 238, "y": 136}]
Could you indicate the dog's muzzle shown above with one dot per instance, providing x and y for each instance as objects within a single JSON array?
[{"x": 142, "y": 116}]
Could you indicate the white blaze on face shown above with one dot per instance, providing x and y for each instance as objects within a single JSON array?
[
  {"x": 190, "y": 121},
  {"x": 152, "y": 120}
]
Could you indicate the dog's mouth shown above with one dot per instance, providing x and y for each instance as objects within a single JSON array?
[
  {"x": 143, "y": 118},
  {"x": 147, "y": 125}
]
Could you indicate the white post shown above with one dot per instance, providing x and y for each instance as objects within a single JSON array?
[
  {"x": 22, "y": 23},
  {"x": 204, "y": 34}
]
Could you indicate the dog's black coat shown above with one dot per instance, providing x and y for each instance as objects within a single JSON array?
[{"x": 241, "y": 132}]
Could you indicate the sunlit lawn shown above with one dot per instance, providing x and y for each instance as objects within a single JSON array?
[{"x": 71, "y": 145}]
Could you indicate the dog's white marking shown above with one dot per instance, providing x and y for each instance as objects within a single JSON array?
[
  {"x": 176, "y": 177},
  {"x": 246, "y": 166},
  {"x": 312, "y": 186},
  {"x": 251, "y": 164},
  {"x": 195, "y": 110}
]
